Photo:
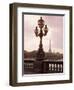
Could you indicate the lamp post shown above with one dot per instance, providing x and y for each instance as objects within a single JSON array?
[{"x": 42, "y": 31}]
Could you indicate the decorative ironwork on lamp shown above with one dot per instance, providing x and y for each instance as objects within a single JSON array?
[{"x": 41, "y": 32}]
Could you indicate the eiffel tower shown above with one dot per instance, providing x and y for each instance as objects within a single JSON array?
[{"x": 50, "y": 46}]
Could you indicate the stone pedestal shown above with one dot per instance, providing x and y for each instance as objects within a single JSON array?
[
  {"x": 38, "y": 67},
  {"x": 45, "y": 67},
  {"x": 40, "y": 55}
]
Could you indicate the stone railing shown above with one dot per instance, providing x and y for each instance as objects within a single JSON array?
[
  {"x": 53, "y": 66},
  {"x": 48, "y": 66}
]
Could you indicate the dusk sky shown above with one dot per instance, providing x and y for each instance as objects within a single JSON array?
[{"x": 55, "y": 33}]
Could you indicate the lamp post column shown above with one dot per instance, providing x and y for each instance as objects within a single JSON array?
[{"x": 40, "y": 56}]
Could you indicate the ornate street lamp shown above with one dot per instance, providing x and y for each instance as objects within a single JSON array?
[{"x": 42, "y": 31}]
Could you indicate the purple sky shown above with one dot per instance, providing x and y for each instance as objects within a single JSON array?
[{"x": 55, "y": 33}]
